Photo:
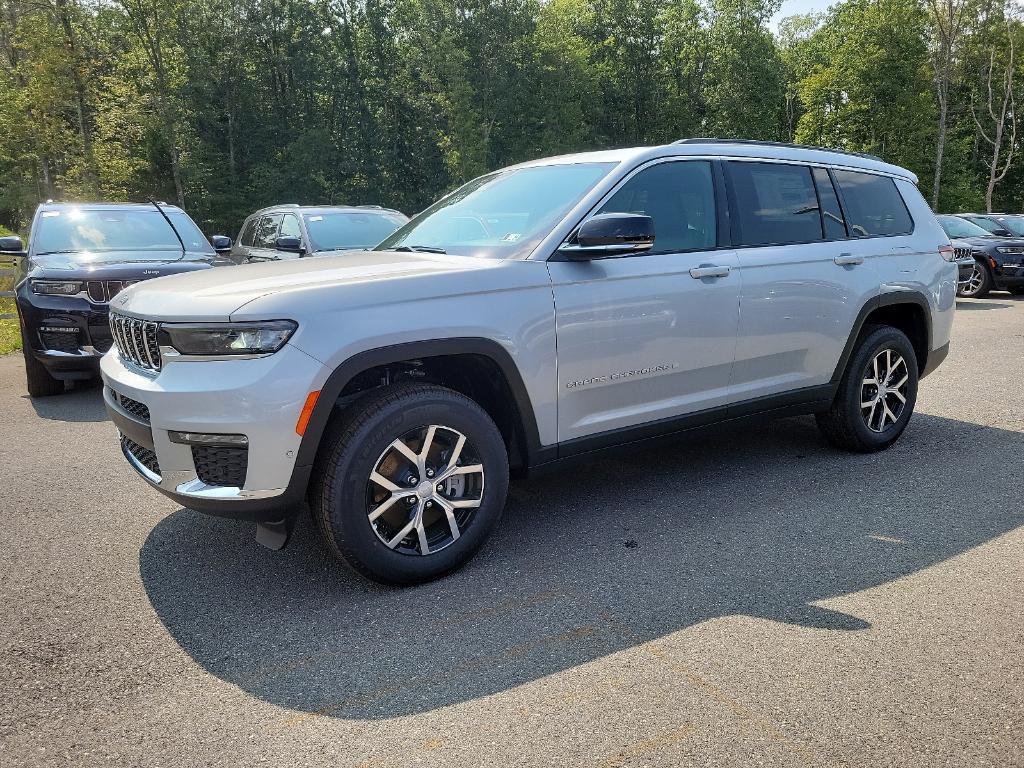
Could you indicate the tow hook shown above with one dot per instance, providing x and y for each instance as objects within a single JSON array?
[{"x": 275, "y": 535}]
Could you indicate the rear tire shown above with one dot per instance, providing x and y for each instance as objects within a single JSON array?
[
  {"x": 877, "y": 394},
  {"x": 979, "y": 284},
  {"x": 40, "y": 382},
  {"x": 374, "y": 509}
]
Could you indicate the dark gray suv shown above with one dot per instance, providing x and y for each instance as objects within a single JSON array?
[{"x": 292, "y": 231}]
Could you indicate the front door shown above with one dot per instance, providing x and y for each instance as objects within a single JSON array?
[{"x": 653, "y": 336}]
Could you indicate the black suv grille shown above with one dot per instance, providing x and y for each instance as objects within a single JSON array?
[
  {"x": 102, "y": 291},
  {"x": 961, "y": 253},
  {"x": 220, "y": 465},
  {"x": 136, "y": 341},
  {"x": 143, "y": 455}
]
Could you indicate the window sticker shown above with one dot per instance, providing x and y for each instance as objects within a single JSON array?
[
  {"x": 50, "y": 214},
  {"x": 511, "y": 237},
  {"x": 316, "y": 218}
]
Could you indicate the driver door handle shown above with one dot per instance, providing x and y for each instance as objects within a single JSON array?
[
  {"x": 709, "y": 270},
  {"x": 844, "y": 259}
]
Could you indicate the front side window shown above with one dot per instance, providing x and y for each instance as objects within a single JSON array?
[
  {"x": 873, "y": 204},
  {"x": 266, "y": 232},
  {"x": 1014, "y": 224},
  {"x": 110, "y": 229},
  {"x": 680, "y": 197},
  {"x": 345, "y": 229},
  {"x": 290, "y": 226},
  {"x": 501, "y": 215},
  {"x": 776, "y": 203}
]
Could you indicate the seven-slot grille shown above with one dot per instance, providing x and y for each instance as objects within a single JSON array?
[
  {"x": 102, "y": 291},
  {"x": 136, "y": 341},
  {"x": 962, "y": 253}
]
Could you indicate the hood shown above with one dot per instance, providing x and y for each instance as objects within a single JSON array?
[
  {"x": 213, "y": 295},
  {"x": 982, "y": 243},
  {"x": 120, "y": 264}
]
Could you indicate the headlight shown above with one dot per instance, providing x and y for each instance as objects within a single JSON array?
[
  {"x": 259, "y": 338},
  {"x": 56, "y": 287},
  {"x": 1009, "y": 249}
]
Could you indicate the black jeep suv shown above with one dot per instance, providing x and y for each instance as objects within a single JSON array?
[
  {"x": 998, "y": 260},
  {"x": 80, "y": 256}
]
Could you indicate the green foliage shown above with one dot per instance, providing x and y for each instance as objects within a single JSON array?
[{"x": 229, "y": 105}]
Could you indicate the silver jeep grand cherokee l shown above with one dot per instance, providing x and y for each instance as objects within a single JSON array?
[{"x": 540, "y": 312}]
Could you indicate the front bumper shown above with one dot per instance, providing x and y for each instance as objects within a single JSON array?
[
  {"x": 84, "y": 333},
  {"x": 260, "y": 398}
]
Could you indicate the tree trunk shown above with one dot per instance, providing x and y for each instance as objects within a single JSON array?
[{"x": 940, "y": 149}]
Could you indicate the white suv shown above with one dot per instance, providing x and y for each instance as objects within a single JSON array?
[{"x": 543, "y": 311}]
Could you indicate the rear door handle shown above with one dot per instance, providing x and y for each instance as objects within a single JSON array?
[
  {"x": 709, "y": 270},
  {"x": 844, "y": 259}
]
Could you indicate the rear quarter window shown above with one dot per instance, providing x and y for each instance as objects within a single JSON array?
[{"x": 874, "y": 206}]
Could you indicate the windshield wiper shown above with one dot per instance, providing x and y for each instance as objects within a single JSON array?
[
  {"x": 65, "y": 250},
  {"x": 420, "y": 249}
]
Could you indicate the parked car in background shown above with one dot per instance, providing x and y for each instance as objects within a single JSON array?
[
  {"x": 998, "y": 224},
  {"x": 79, "y": 257},
  {"x": 293, "y": 231},
  {"x": 998, "y": 260},
  {"x": 535, "y": 314}
]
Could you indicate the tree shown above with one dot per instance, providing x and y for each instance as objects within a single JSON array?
[
  {"x": 1000, "y": 116},
  {"x": 948, "y": 19}
]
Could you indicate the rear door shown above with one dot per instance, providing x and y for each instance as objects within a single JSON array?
[
  {"x": 241, "y": 247},
  {"x": 804, "y": 277},
  {"x": 648, "y": 337}
]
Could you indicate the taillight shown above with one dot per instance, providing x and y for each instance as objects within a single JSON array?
[{"x": 947, "y": 252}]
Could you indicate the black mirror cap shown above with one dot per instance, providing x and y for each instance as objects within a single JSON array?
[
  {"x": 611, "y": 234},
  {"x": 12, "y": 245},
  {"x": 220, "y": 243},
  {"x": 290, "y": 244}
]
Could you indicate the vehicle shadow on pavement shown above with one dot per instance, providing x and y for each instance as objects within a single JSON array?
[
  {"x": 82, "y": 402},
  {"x": 976, "y": 304},
  {"x": 600, "y": 558}
]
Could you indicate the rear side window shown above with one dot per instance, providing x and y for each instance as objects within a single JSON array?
[
  {"x": 831, "y": 213},
  {"x": 266, "y": 232},
  {"x": 248, "y": 231},
  {"x": 873, "y": 205},
  {"x": 776, "y": 203},
  {"x": 680, "y": 197}
]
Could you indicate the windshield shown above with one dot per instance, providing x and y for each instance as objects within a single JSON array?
[
  {"x": 1013, "y": 223},
  {"x": 955, "y": 227},
  {"x": 502, "y": 215},
  {"x": 99, "y": 229},
  {"x": 337, "y": 231}
]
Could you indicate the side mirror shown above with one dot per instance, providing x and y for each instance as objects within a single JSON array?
[
  {"x": 12, "y": 246},
  {"x": 220, "y": 243},
  {"x": 610, "y": 234},
  {"x": 289, "y": 244},
  {"x": 1002, "y": 232}
]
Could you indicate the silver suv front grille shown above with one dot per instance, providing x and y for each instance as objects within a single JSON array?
[{"x": 136, "y": 341}]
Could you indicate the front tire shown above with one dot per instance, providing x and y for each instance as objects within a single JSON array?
[
  {"x": 39, "y": 381},
  {"x": 978, "y": 285},
  {"x": 409, "y": 483},
  {"x": 877, "y": 394}
]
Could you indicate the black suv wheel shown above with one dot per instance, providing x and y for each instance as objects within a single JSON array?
[
  {"x": 979, "y": 284},
  {"x": 877, "y": 394},
  {"x": 409, "y": 482}
]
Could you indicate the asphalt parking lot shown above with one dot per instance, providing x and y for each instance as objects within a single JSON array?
[{"x": 750, "y": 598}]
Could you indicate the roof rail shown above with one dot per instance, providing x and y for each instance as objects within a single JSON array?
[
  {"x": 379, "y": 208},
  {"x": 790, "y": 145}
]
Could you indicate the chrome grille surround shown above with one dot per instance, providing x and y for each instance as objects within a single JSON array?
[
  {"x": 102, "y": 291},
  {"x": 136, "y": 341}
]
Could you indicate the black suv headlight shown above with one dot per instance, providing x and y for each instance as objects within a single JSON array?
[
  {"x": 1009, "y": 249},
  {"x": 256, "y": 338},
  {"x": 56, "y": 287}
]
